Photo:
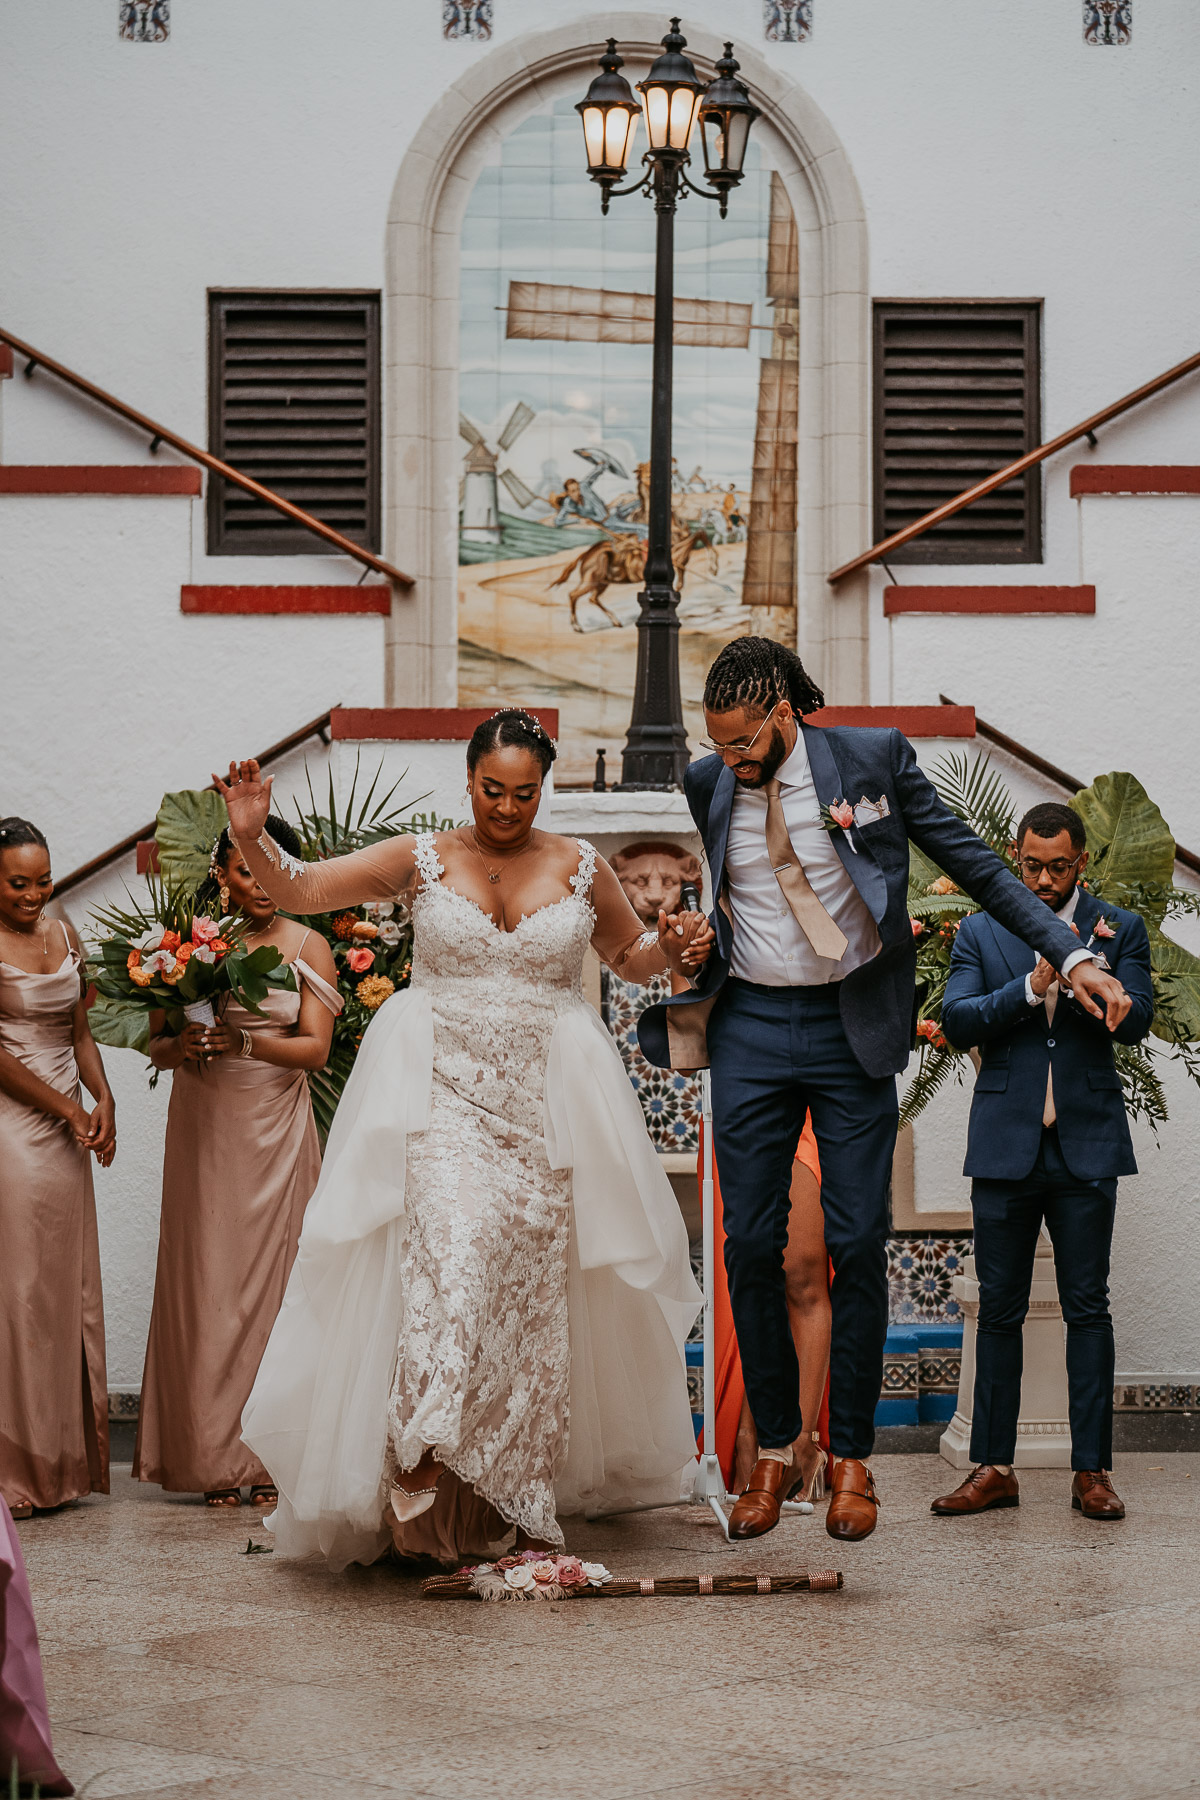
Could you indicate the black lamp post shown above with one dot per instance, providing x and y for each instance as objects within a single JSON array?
[{"x": 673, "y": 97}]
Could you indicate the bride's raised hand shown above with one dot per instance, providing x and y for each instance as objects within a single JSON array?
[
  {"x": 686, "y": 939},
  {"x": 248, "y": 799}
]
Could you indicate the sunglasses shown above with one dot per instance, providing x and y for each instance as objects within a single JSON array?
[{"x": 739, "y": 749}]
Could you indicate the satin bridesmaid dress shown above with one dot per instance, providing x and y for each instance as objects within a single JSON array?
[
  {"x": 241, "y": 1162},
  {"x": 53, "y": 1385}
]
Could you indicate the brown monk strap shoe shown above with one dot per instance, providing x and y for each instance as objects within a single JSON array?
[
  {"x": 854, "y": 1504},
  {"x": 757, "y": 1507},
  {"x": 984, "y": 1488},
  {"x": 1093, "y": 1494}
]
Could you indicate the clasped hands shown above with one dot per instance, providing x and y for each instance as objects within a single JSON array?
[
  {"x": 1090, "y": 984},
  {"x": 686, "y": 940}
]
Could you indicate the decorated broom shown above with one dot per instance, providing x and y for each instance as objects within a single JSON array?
[{"x": 536, "y": 1575}]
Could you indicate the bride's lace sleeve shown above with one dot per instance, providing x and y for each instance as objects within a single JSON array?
[
  {"x": 620, "y": 939},
  {"x": 380, "y": 872}
]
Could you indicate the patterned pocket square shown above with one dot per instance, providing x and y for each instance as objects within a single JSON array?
[{"x": 867, "y": 811}]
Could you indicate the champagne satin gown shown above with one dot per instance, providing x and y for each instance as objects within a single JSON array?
[
  {"x": 53, "y": 1385},
  {"x": 240, "y": 1164}
]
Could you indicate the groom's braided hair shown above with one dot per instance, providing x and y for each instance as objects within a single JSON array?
[{"x": 757, "y": 673}]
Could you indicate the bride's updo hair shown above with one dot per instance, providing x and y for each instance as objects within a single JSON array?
[
  {"x": 14, "y": 831},
  {"x": 511, "y": 727}
]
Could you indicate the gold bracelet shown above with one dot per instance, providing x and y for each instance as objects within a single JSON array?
[{"x": 247, "y": 1048}]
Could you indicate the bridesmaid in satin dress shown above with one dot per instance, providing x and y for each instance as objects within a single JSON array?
[
  {"x": 240, "y": 1165},
  {"x": 53, "y": 1387}
]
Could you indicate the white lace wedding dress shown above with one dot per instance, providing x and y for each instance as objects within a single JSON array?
[{"x": 493, "y": 1262}]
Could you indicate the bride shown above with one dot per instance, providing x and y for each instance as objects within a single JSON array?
[{"x": 484, "y": 1326}]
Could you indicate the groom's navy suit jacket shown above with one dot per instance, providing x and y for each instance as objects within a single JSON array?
[
  {"x": 878, "y": 1001},
  {"x": 985, "y": 1005}
]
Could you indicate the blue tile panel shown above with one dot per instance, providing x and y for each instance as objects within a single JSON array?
[{"x": 1108, "y": 22}]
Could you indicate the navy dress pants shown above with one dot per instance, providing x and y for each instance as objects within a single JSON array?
[
  {"x": 1079, "y": 1217},
  {"x": 777, "y": 1053}
]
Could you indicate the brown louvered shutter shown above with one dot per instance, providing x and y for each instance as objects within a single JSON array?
[
  {"x": 957, "y": 396},
  {"x": 294, "y": 402}
]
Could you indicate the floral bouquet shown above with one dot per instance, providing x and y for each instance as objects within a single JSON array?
[
  {"x": 1131, "y": 865},
  {"x": 174, "y": 954}
]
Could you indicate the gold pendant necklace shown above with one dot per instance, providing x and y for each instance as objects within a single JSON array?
[
  {"x": 41, "y": 919},
  {"x": 494, "y": 875}
]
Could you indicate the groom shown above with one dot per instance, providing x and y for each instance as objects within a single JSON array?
[{"x": 808, "y": 1003}]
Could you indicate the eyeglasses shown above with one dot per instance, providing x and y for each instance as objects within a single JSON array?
[
  {"x": 1058, "y": 868},
  {"x": 739, "y": 749}
]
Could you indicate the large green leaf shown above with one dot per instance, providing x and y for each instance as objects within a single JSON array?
[
  {"x": 1130, "y": 842},
  {"x": 1177, "y": 1017},
  {"x": 188, "y": 825},
  {"x": 120, "y": 1024}
]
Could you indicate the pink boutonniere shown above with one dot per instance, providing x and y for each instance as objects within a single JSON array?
[
  {"x": 839, "y": 816},
  {"x": 1103, "y": 929}
]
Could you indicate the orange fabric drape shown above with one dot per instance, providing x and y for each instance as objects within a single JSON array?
[{"x": 730, "y": 1387}]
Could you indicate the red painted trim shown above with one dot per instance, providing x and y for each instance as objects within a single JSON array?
[
  {"x": 1134, "y": 478},
  {"x": 97, "y": 478},
  {"x": 147, "y": 857},
  {"x": 913, "y": 721},
  {"x": 916, "y": 599},
  {"x": 376, "y": 597},
  {"x": 6, "y": 361},
  {"x": 422, "y": 724}
]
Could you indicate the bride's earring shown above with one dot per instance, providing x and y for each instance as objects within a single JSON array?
[{"x": 223, "y": 897}]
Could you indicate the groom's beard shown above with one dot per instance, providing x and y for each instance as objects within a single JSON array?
[{"x": 770, "y": 765}]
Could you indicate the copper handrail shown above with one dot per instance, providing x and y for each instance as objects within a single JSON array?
[
  {"x": 225, "y": 470},
  {"x": 314, "y": 728},
  {"x": 879, "y": 552},
  {"x": 1072, "y": 783}
]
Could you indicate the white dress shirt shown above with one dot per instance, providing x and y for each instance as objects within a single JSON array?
[{"x": 768, "y": 945}]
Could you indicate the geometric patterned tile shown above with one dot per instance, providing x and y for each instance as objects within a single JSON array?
[
  {"x": 1107, "y": 22},
  {"x": 670, "y": 1101},
  {"x": 921, "y": 1275}
]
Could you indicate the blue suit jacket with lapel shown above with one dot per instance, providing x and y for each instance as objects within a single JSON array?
[
  {"x": 878, "y": 1000},
  {"x": 985, "y": 1005}
]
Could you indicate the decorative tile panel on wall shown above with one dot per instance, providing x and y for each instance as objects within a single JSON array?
[
  {"x": 787, "y": 21},
  {"x": 671, "y": 1102},
  {"x": 921, "y": 1275},
  {"x": 467, "y": 18},
  {"x": 145, "y": 21},
  {"x": 1158, "y": 1396},
  {"x": 1107, "y": 21}
]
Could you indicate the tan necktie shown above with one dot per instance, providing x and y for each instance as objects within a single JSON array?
[
  {"x": 826, "y": 938},
  {"x": 1048, "y": 1113}
]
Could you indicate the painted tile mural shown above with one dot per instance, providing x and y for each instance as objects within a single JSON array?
[
  {"x": 1107, "y": 21},
  {"x": 670, "y": 1101},
  {"x": 921, "y": 1275},
  {"x": 555, "y": 357},
  {"x": 145, "y": 21},
  {"x": 787, "y": 21},
  {"x": 467, "y": 18}
]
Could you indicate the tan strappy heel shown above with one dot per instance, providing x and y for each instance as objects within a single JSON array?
[{"x": 816, "y": 1481}]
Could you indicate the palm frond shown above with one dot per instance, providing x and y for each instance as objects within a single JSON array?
[
  {"x": 977, "y": 794},
  {"x": 931, "y": 906},
  {"x": 934, "y": 1069}
]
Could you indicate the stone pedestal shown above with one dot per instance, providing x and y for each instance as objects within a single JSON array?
[{"x": 1043, "y": 1431}]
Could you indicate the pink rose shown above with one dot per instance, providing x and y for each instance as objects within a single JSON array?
[
  {"x": 544, "y": 1571},
  {"x": 1102, "y": 928},
  {"x": 508, "y": 1562},
  {"x": 570, "y": 1572},
  {"x": 204, "y": 931},
  {"x": 360, "y": 960},
  {"x": 842, "y": 813},
  {"x": 917, "y": 927}
]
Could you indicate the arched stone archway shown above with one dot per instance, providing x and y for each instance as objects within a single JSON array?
[{"x": 423, "y": 451}]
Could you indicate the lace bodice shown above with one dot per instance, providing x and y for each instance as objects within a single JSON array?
[{"x": 455, "y": 940}]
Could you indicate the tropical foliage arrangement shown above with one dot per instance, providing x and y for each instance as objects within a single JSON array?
[
  {"x": 371, "y": 945},
  {"x": 1131, "y": 864}
]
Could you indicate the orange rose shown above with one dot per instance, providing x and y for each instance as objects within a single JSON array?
[
  {"x": 219, "y": 947},
  {"x": 363, "y": 928},
  {"x": 183, "y": 954},
  {"x": 140, "y": 978},
  {"x": 170, "y": 940},
  {"x": 944, "y": 885},
  {"x": 133, "y": 960}
]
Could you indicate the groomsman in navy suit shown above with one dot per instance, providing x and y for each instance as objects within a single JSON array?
[
  {"x": 1048, "y": 1139},
  {"x": 808, "y": 1003}
]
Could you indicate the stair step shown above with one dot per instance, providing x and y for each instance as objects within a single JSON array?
[
  {"x": 98, "y": 478},
  {"x": 989, "y": 599}
]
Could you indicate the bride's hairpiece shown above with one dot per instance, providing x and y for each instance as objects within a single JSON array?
[{"x": 535, "y": 725}]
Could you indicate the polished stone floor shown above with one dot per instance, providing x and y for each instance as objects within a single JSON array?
[{"x": 1024, "y": 1653}]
